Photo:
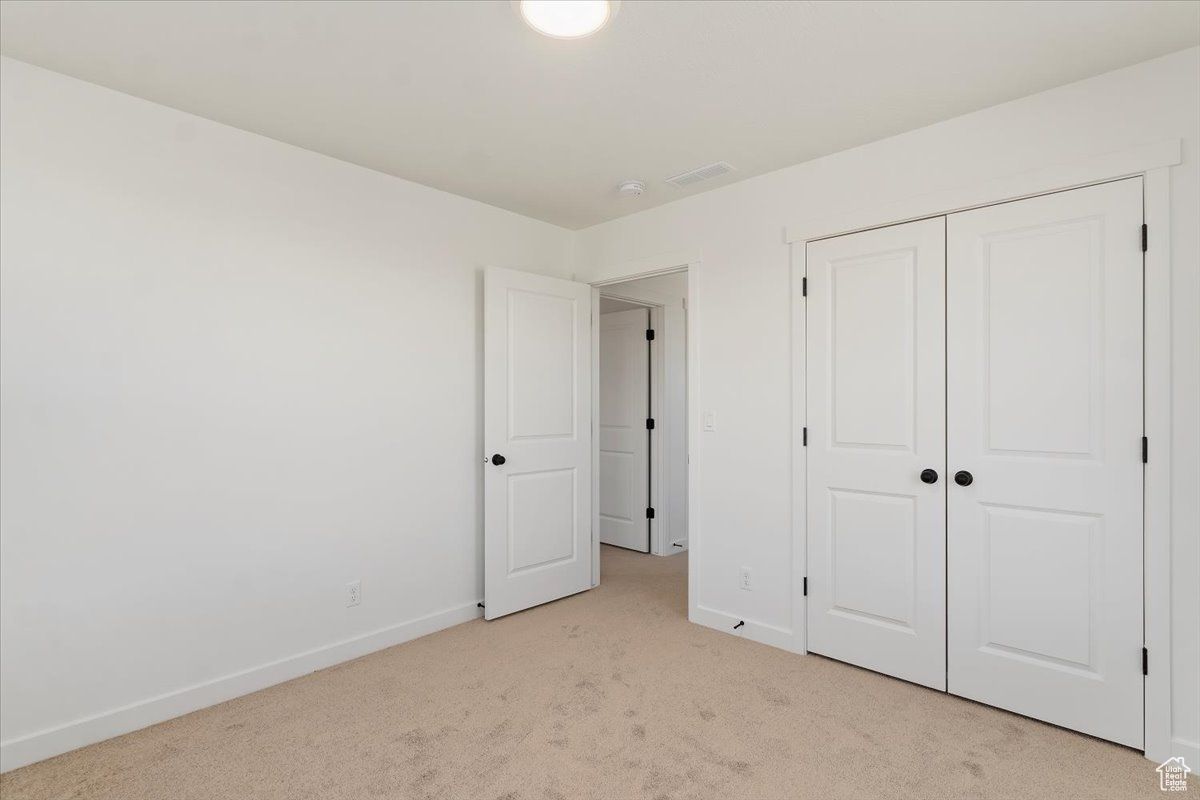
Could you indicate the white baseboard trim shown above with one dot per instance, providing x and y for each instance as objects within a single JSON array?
[
  {"x": 1189, "y": 750},
  {"x": 44, "y": 744},
  {"x": 760, "y": 632},
  {"x": 1178, "y": 747}
]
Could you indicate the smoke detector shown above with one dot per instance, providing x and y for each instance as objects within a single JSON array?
[{"x": 632, "y": 188}]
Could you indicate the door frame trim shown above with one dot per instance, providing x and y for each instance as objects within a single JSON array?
[
  {"x": 1153, "y": 164},
  {"x": 688, "y": 262},
  {"x": 1098, "y": 169}
]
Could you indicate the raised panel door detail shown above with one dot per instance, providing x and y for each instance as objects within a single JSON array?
[
  {"x": 542, "y": 512},
  {"x": 872, "y": 312},
  {"x": 616, "y": 486},
  {"x": 1040, "y": 589},
  {"x": 541, "y": 367},
  {"x": 873, "y": 571},
  {"x": 1044, "y": 347}
]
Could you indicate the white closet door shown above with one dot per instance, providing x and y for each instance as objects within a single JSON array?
[
  {"x": 1044, "y": 364},
  {"x": 876, "y": 421},
  {"x": 624, "y": 440},
  {"x": 537, "y": 434}
]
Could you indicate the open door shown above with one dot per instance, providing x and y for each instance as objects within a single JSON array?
[
  {"x": 537, "y": 434},
  {"x": 624, "y": 431}
]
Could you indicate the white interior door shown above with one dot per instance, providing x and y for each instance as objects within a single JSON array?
[
  {"x": 624, "y": 439},
  {"x": 876, "y": 423},
  {"x": 1045, "y": 413},
  {"x": 537, "y": 419}
]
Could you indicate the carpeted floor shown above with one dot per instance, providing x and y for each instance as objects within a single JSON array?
[{"x": 608, "y": 694}]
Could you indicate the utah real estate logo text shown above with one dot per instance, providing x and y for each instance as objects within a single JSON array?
[{"x": 1172, "y": 775}]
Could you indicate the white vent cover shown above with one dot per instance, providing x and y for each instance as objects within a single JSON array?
[{"x": 700, "y": 174}]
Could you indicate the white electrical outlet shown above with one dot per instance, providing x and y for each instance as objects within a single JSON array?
[
  {"x": 353, "y": 593},
  {"x": 744, "y": 578}
]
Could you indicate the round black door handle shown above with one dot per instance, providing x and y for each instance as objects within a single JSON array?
[
  {"x": 498, "y": 459},
  {"x": 929, "y": 476},
  {"x": 963, "y": 478}
]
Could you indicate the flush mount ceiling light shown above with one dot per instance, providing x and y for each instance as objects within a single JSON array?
[{"x": 567, "y": 19}]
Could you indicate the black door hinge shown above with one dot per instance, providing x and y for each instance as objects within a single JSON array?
[
  {"x": 649, "y": 513},
  {"x": 1145, "y": 238},
  {"x": 804, "y": 437},
  {"x": 1145, "y": 661},
  {"x": 1145, "y": 450},
  {"x": 804, "y": 287},
  {"x": 650, "y": 424},
  {"x": 650, "y": 334},
  {"x": 806, "y": 586}
]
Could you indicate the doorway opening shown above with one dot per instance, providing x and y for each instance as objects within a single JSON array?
[
  {"x": 541, "y": 454},
  {"x": 642, "y": 437}
]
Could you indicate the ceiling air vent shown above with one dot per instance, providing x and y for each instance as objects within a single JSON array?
[{"x": 700, "y": 174}]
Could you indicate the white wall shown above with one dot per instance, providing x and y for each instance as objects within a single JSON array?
[
  {"x": 744, "y": 361},
  {"x": 235, "y": 376}
]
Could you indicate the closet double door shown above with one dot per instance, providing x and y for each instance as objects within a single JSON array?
[{"x": 974, "y": 480}]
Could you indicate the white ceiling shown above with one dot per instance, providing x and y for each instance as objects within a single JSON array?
[{"x": 463, "y": 97}]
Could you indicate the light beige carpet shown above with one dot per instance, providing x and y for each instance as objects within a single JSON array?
[{"x": 608, "y": 694}]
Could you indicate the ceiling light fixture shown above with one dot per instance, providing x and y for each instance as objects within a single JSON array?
[{"x": 567, "y": 19}]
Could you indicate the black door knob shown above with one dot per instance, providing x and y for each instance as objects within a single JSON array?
[
  {"x": 929, "y": 476},
  {"x": 963, "y": 478},
  {"x": 498, "y": 459}
]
